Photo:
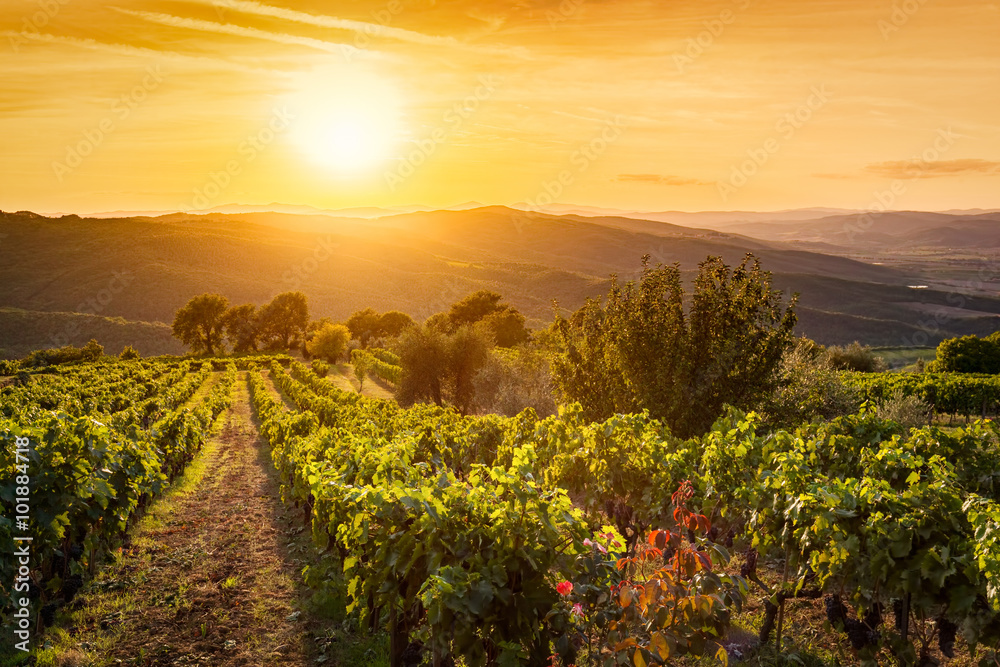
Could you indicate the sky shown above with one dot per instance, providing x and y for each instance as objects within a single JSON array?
[{"x": 728, "y": 105}]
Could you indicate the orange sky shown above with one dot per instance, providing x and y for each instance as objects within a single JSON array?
[{"x": 740, "y": 104}]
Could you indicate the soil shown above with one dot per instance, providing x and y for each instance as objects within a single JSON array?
[{"x": 212, "y": 574}]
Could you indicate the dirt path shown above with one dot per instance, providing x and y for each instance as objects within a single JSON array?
[{"x": 212, "y": 574}]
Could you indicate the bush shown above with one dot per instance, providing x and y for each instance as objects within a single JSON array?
[
  {"x": 910, "y": 411},
  {"x": 809, "y": 389},
  {"x": 128, "y": 354},
  {"x": 855, "y": 357},
  {"x": 320, "y": 367},
  {"x": 511, "y": 381}
]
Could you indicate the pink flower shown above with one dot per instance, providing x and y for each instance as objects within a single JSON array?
[
  {"x": 564, "y": 588},
  {"x": 577, "y": 610},
  {"x": 588, "y": 543}
]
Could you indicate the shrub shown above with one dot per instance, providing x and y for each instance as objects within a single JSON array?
[
  {"x": 855, "y": 357},
  {"x": 509, "y": 382},
  {"x": 809, "y": 389},
  {"x": 128, "y": 354},
  {"x": 910, "y": 411},
  {"x": 320, "y": 367}
]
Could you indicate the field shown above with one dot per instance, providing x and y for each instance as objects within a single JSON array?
[{"x": 248, "y": 512}]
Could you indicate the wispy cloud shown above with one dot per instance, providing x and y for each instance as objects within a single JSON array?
[
  {"x": 241, "y": 31},
  {"x": 660, "y": 179},
  {"x": 361, "y": 27},
  {"x": 938, "y": 169},
  {"x": 135, "y": 51}
]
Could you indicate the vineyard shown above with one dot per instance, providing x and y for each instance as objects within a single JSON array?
[
  {"x": 966, "y": 394},
  {"x": 487, "y": 540}
]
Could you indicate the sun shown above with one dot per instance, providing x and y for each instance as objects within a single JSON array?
[{"x": 346, "y": 120}]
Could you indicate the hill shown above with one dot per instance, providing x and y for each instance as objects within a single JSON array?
[{"x": 142, "y": 269}]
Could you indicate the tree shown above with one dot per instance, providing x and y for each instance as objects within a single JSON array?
[
  {"x": 474, "y": 308},
  {"x": 391, "y": 324},
  {"x": 423, "y": 356},
  {"x": 329, "y": 343},
  {"x": 507, "y": 327},
  {"x": 439, "y": 322},
  {"x": 641, "y": 351},
  {"x": 128, "y": 353},
  {"x": 969, "y": 354},
  {"x": 360, "y": 360},
  {"x": 502, "y": 320},
  {"x": 364, "y": 325},
  {"x": 283, "y": 321},
  {"x": 468, "y": 350},
  {"x": 242, "y": 325},
  {"x": 200, "y": 323}
]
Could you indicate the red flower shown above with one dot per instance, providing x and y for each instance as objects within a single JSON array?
[{"x": 564, "y": 588}]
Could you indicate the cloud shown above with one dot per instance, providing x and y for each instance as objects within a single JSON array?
[
  {"x": 938, "y": 169},
  {"x": 240, "y": 31},
  {"x": 660, "y": 179},
  {"x": 134, "y": 51},
  {"x": 360, "y": 27}
]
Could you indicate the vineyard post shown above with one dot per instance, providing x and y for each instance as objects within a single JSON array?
[{"x": 781, "y": 597}]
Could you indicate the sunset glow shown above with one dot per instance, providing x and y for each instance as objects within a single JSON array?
[{"x": 733, "y": 104}]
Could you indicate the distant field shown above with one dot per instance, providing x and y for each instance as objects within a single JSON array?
[{"x": 898, "y": 357}]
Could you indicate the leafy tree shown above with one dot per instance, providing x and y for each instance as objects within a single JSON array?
[
  {"x": 502, "y": 320},
  {"x": 361, "y": 369},
  {"x": 969, "y": 354},
  {"x": 242, "y": 325},
  {"x": 283, "y": 321},
  {"x": 364, "y": 325},
  {"x": 423, "y": 356},
  {"x": 439, "y": 322},
  {"x": 392, "y": 323},
  {"x": 642, "y": 351},
  {"x": 316, "y": 325},
  {"x": 329, "y": 343},
  {"x": 474, "y": 308},
  {"x": 200, "y": 323},
  {"x": 507, "y": 327},
  {"x": 468, "y": 350}
]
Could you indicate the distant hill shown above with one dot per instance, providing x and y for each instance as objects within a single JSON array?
[
  {"x": 890, "y": 230},
  {"x": 143, "y": 269}
]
